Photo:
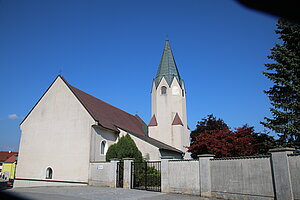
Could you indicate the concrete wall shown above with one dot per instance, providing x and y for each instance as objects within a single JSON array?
[
  {"x": 254, "y": 177},
  {"x": 184, "y": 177},
  {"x": 242, "y": 178},
  {"x": 55, "y": 134},
  {"x": 294, "y": 163},
  {"x": 103, "y": 174}
]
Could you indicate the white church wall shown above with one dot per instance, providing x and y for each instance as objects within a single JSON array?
[
  {"x": 177, "y": 131},
  {"x": 162, "y": 110},
  {"x": 55, "y": 134},
  {"x": 165, "y": 107},
  {"x": 99, "y": 135},
  {"x": 148, "y": 150}
]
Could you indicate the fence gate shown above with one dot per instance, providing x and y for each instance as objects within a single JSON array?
[
  {"x": 120, "y": 174},
  {"x": 146, "y": 175}
]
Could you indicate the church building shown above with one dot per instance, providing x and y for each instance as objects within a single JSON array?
[{"x": 68, "y": 129}]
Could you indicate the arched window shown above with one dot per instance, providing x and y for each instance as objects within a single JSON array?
[
  {"x": 163, "y": 90},
  {"x": 103, "y": 147},
  {"x": 49, "y": 173}
]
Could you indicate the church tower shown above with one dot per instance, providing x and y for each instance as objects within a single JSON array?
[{"x": 169, "y": 120}]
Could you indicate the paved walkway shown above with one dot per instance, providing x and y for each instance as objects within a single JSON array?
[{"x": 92, "y": 193}]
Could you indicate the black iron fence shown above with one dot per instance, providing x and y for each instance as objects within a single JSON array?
[
  {"x": 146, "y": 175},
  {"x": 120, "y": 174}
]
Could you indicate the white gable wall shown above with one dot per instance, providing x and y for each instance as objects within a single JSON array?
[{"x": 55, "y": 134}]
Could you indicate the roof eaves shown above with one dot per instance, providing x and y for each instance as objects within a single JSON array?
[
  {"x": 103, "y": 127},
  {"x": 74, "y": 93},
  {"x": 155, "y": 142}
]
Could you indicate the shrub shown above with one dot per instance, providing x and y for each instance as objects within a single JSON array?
[{"x": 124, "y": 148}]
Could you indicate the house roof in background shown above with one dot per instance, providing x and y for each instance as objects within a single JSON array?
[
  {"x": 12, "y": 158},
  {"x": 4, "y": 155}
]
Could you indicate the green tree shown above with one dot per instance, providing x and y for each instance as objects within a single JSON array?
[
  {"x": 285, "y": 94},
  {"x": 124, "y": 148}
]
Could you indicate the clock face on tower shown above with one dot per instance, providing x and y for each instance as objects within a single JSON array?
[{"x": 175, "y": 90}]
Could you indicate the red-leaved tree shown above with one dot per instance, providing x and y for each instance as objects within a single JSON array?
[{"x": 226, "y": 143}]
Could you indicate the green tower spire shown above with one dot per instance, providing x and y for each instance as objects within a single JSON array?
[{"x": 167, "y": 67}]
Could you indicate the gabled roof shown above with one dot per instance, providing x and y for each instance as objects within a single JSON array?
[
  {"x": 107, "y": 115},
  {"x": 177, "y": 120},
  {"x": 153, "y": 121},
  {"x": 110, "y": 117},
  {"x": 167, "y": 67},
  {"x": 4, "y": 155}
]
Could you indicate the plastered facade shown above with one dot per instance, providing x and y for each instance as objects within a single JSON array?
[
  {"x": 164, "y": 107},
  {"x": 55, "y": 134}
]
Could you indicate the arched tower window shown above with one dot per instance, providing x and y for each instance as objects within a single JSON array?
[
  {"x": 103, "y": 147},
  {"x": 163, "y": 90},
  {"x": 49, "y": 173}
]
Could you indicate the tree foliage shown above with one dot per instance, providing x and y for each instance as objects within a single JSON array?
[
  {"x": 223, "y": 142},
  {"x": 208, "y": 124},
  {"x": 124, "y": 148},
  {"x": 285, "y": 94}
]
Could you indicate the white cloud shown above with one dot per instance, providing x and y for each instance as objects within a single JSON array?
[{"x": 13, "y": 116}]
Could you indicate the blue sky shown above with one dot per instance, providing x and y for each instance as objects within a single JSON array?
[{"x": 112, "y": 49}]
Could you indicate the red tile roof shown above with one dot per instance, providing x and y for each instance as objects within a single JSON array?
[
  {"x": 107, "y": 115},
  {"x": 4, "y": 155},
  {"x": 12, "y": 158}
]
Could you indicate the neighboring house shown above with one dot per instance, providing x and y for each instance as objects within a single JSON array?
[
  {"x": 9, "y": 167},
  {"x": 4, "y": 155},
  {"x": 68, "y": 129}
]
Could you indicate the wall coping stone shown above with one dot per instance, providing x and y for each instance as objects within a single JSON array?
[
  {"x": 115, "y": 159},
  {"x": 243, "y": 157},
  {"x": 128, "y": 159},
  {"x": 205, "y": 155},
  {"x": 281, "y": 149},
  {"x": 167, "y": 157}
]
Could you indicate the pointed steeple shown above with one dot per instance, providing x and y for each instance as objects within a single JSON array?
[{"x": 167, "y": 67}]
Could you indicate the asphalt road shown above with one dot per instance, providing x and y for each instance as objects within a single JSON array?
[{"x": 89, "y": 193}]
